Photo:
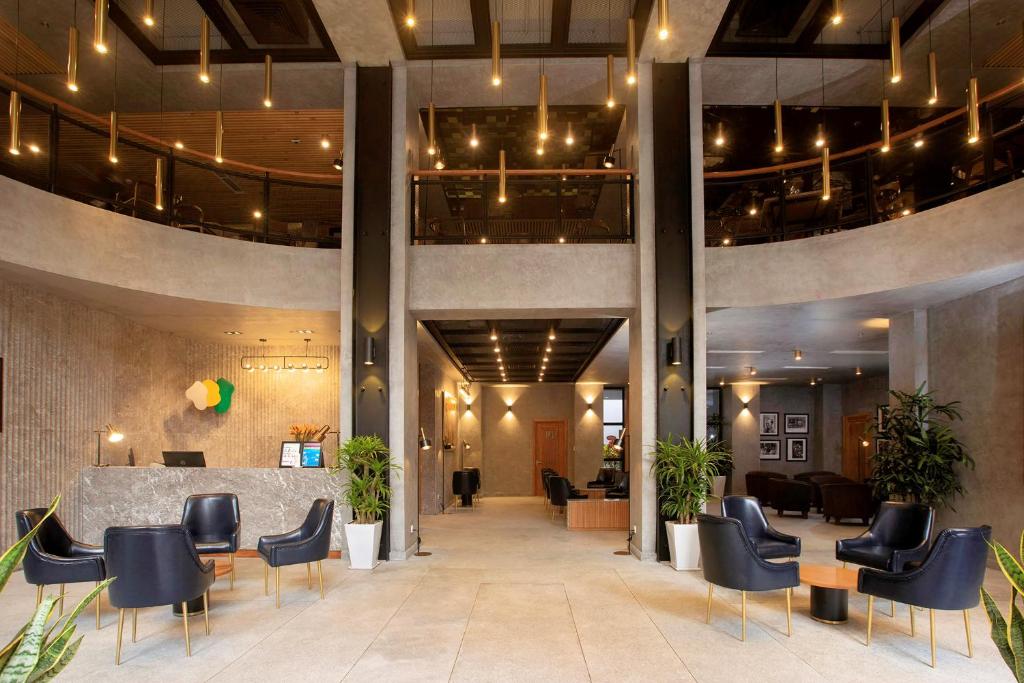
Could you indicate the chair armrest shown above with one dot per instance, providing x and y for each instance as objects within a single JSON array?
[
  {"x": 776, "y": 535},
  {"x": 66, "y": 561},
  {"x": 901, "y": 556},
  {"x": 862, "y": 541},
  {"x": 286, "y": 537},
  {"x": 79, "y": 549}
]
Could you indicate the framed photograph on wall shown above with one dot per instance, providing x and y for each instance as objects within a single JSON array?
[
  {"x": 796, "y": 450},
  {"x": 796, "y": 423},
  {"x": 770, "y": 449},
  {"x": 881, "y": 417},
  {"x": 769, "y": 424}
]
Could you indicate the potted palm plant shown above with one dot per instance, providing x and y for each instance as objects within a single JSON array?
[
  {"x": 367, "y": 462},
  {"x": 685, "y": 472}
]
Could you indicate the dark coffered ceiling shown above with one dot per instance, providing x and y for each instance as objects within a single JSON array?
[
  {"x": 522, "y": 345},
  {"x": 461, "y": 29}
]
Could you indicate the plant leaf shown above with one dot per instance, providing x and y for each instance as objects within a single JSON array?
[
  {"x": 65, "y": 659},
  {"x": 23, "y": 661},
  {"x": 13, "y": 555},
  {"x": 9, "y": 648},
  {"x": 1011, "y": 567},
  {"x": 1015, "y": 634},
  {"x": 52, "y": 654},
  {"x": 998, "y": 632}
]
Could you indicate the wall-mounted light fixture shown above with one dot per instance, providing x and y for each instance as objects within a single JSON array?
[
  {"x": 424, "y": 441},
  {"x": 675, "y": 351},
  {"x": 369, "y": 351},
  {"x": 509, "y": 409},
  {"x": 746, "y": 405}
]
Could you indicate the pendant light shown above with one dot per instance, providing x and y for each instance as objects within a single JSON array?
[
  {"x": 819, "y": 139},
  {"x": 14, "y": 147},
  {"x": 431, "y": 139},
  {"x": 837, "y": 13},
  {"x": 610, "y": 100},
  {"x": 99, "y": 28},
  {"x": 662, "y": 19},
  {"x": 112, "y": 147},
  {"x": 720, "y": 134},
  {"x": 933, "y": 79},
  {"x": 895, "y": 51},
  {"x": 779, "y": 144},
  {"x": 631, "y": 51},
  {"x": 410, "y": 14},
  {"x": 158, "y": 185},
  {"x": 204, "y": 49},
  {"x": 502, "y": 178},
  {"x": 496, "y": 53},
  {"x": 474, "y": 141},
  {"x": 218, "y": 150},
  {"x": 570, "y": 139},
  {"x": 72, "y": 80},
  {"x": 147, "y": 14},
  {"x": 542, "y": 108},
  {"x": 158, "y": 172},
  {"x": 826, "y": 177},
  {"x": 886, "y": 146},
  {"x": 973, "y": 116},
  {"x": 268, "y": 81}
]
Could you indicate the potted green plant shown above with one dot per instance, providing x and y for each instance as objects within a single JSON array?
[
  {"x": 1008, "y": 632},
  {"x": 685, "y": 472},
  {"x": 366, "y": 461},
  {"x": 918, "y": 455}
]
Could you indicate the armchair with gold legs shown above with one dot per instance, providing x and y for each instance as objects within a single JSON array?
[
  {"x": 729, "y": 560},
  {"x": 309, "y": 543}
]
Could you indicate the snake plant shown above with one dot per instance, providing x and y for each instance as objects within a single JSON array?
[
  {"x": 1008, "y": 632},
  {"x": 40, "y": 651}
]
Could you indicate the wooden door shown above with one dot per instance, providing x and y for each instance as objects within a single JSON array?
[
  {"x": 549, "y": 450},
  {"x": 856, "y": 462}
]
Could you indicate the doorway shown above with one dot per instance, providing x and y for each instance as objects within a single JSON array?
[
  {"x": 856, "y": 456},
  {"x": 549, "y": 450}
]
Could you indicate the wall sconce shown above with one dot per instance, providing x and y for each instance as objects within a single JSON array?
[
  {"x": 114, "y": 435},
  {"x": 370, "y": 352},
  {"x": 590, "y": 407},
  {"x": 746, "y": 406},
  {"x": 509, "y": 408},
  {"x": 675, "y": 351},
  {"x": 424, "y": 441}
]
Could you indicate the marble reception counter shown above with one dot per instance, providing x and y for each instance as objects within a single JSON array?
[{"x": 271, "y": 500}]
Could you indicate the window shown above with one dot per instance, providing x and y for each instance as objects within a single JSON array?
[{"x": 614, "y": 411}]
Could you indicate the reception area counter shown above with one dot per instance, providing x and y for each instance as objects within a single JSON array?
[{"x": 271, "y": 500}]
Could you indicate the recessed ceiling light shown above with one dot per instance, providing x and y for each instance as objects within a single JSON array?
[
  {"x": 806, "y": 367},
  {"x": 302, "y": 331},
  {"x": 855, "y": 352},
  {"x": 232, "y": 332},
  {"x": 741, "y": 351}
]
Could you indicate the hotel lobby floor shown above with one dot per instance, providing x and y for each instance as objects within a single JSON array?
[{"x": 510, "y": 595}]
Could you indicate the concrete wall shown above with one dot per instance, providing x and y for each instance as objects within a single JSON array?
[
  {"x": 743, "y": 426},
  {"x": 589, "y": 432}
]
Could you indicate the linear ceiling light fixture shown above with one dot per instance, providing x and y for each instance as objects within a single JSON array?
[
  {"x": 268, "y": 81},
  {"x": 720, "y": 134},
  {"x": 542, "y": 109},
  {"x": 474, "y": 141},
  {"x": 779, "y": 144},
  {"x": 973, "y": 117},
  {"x": 431, "y": 132},
  {"x": 99, "y": 28},
  {"x": 112, "y": 148},
  {"x": 218, "y": 149},
  {"x": 15, "y": 115},
  {"x": 826, "y": 180},
  {"x": 886, "y": 139},
  {"x": 570, "y": 139},
  {"x": 303, "y": 363},
  {"x": 204, "y": 49},
  {"x": 158, "y": 185}
]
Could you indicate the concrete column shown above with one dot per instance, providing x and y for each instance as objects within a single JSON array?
[
  {"x": 908, "y": 350},
  {"x": 348, "y": 175},
  {"x": 700, "y": 322}
]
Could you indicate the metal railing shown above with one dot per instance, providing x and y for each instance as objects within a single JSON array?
[
  {"x": 543, "y": 207},
  {"x": 932, "y": 164},
  {"x": 65, "y": 152}
]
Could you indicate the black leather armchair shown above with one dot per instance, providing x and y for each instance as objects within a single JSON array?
[
  {"x": 949, "y": 578},
  {"x": 309, "y": 543},
  {"x": 562, "y": 492},
  {"x": 768, "y": 543},
  {"x": 54, "y": 557},
  {"x": 474, "y": 480},
  {"x": 899, "y": 534},
  {"x": 462, "y": 486},
  {"x": 729, "y": 559},
  {"x": 620, "y": 490},
  {"x": 215, "y": 523},
  {"x": 605, "y": 479},
  {"x": 155, "y": 565}
]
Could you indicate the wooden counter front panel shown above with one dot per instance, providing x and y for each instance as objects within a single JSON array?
[{"x": 601, "y": 514}]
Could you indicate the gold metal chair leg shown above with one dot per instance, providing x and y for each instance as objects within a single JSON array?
[
  {"x": 913, "y": 626},
  {"x": 61, "y": 600},
  {"x": 97, "y": 601},
  {"x": 231, "y": 557},
  {"x": 931, "y": 626},
  {"x": 844, "y": 565},
  {"x": 277, "y": 585},
  {"x": 206, "y": 610},
  {"x": 711, "y": 591},
  {"x": 743, "y": 598},
  {"x": 320, "y": 571},
  {"x": 309, "y": 577},
  {"x": 266, "y": 579},
  {"x": 120, "y": 627},
  {"x": 39, "y": 595},
  {"x": 967, "y": 628},
  {"x": 135, "y": 623},
  {"x": 871, "y": 613},
  {"x": 892, "y": 608},
  {"x": 789, "y": 612},
  {"x": 184, "y": 618}
]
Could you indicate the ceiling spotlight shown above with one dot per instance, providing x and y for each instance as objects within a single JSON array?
[
  {"x": 474, "y": 141},
  {"x": 325, "y": 142},
  {"x": 609, "y": 161},
  {"x": 338, "y": 165},
  {"x": 798, "y": 354},
  {"x": 257, "y": 214},
  {"x": 858, "y": 372}
]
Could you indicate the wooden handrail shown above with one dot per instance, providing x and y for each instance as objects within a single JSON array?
[
  {"x": 896, "y": 137},
  {"x": 38, "y": 95},
  {"x": 451, "y": 173}
]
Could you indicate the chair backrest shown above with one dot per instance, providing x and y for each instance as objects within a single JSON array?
[
  {"x": 545, "y": 477},
  {"x": 211, "y": 514},
  {"x": 52, "y": 538},
  {"x": 806, "y": 476},
  {"x": 748, "y": 511},
  {"x": 902, "y": 525},
  {"x": 954, "y": 570},
  {"x": 559, "y": 490},
  {"x": 154, "y": 565},
  {"x": 474, "y": 478},
  {"x": 726, "y": 554},
  {"x": 605, "y": 475}
]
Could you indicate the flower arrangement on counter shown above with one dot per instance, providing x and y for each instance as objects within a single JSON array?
[{"x": 306, "y": 431}]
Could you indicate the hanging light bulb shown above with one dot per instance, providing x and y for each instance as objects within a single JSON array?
[
  {"x": 569, "y": 138},
  {"x": 895, "y": 52},
  {"x": 112, "y": 148},
  {"x": 204, "y": 50},
  {"x": 268, "y": 81},
  {"x": 218, "y": 152},
  {"x": 431, "y": 139},
  {"x": 819, "y": 140},
  {"x": 147, "y": 15},
  {"x": 15, "y": 114},
  {"x": 542, "y": 109},
  {"x": 778, "y": 127},
  {"x": 72, "y": 59},
  {"x": 540, "y": 149},
  {"x": 973, "y": 119},
  {"x": 933, "y": 78},
  {"x": 496, "y": 53},
  {"x": 662, "y": 19},
  {"x": 325, "y": 142},
  {"x": 99, "y": 27},
  {"x": 885, "y": 126},
  {"x": 410, "y": 15},
  {"x": 826, "y": 177},
  {"x": 439, "y": 163},
  {"x": 720, "y": 134},
  {"x": 631, "y": 51},
  {"x": 837, "y": 14},
  {"x": 178, "y": 144},
  {"x": 474, "y": 141},
  {"x": 610, "y": 101},
  {"x": 502, "y": 179},
  {"x": 158, "y": 185}
]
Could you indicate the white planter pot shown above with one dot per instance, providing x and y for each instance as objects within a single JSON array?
[
  {"x": 683, "y": 545},
  {"x": 718, "y": 488},
  {"x": 363, "y": 544}
]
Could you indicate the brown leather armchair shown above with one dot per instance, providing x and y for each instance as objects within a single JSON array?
[
  {"x": 843, "y": 500},
  {"x": 790, "y": 495},
  {"x": 816, "y": 482},
  {"x": 759, "y": 484}
]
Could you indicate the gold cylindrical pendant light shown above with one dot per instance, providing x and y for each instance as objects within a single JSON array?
[
  {"x": 268, "y": 81},
  {"x": 474, "y": 141},
  {"x": 218, "y": 148},
  {"x": 496, "y": 53},
  {"x": 973, "y": 118},
  {"x": 662, "y": 19},
  {"x": 148, "y": 17},
  {"x": 570, "y": 139},
  {"x": 73, "y": 59},
  {"x": 895, "y": 52},
  {"x": 99, "y": 28},
  {"x": 410, "y": 14},
  {"x": 933, "y": 78},
  {"x": 15, "y": 114},
  {"x": 611, "y": 82},
  {"x": 819, "y": 139},
  {"x": 779, "y": 145},
  {"x": 204, "y": 50},
  {"x": 431, "y": 132},
  {"x": 631, "y": 51},
  {"x": 720, "y": 134},
  {"x": 826, "y": 175},
  {"x": 158, "y": 185},
  {"x": 885, "y": 125},
  {"x": 112, "y": 148},
  {"x": 837, "y": 13},
  {"x": 542, "y": 109},
  {"x": 502, "y": 179}
]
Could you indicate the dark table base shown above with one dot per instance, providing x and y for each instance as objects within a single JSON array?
[{"x": 830, "y": 605}]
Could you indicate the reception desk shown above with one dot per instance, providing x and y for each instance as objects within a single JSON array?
[{"x": 271, "y": 500}]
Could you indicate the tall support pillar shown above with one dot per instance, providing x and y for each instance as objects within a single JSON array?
[{"x": 700, "y": 325}]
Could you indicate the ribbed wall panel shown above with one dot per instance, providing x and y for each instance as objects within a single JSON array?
[{"x": 69, "y": 369}]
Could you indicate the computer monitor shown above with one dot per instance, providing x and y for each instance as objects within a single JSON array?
[{"x": 184, "y": 459}]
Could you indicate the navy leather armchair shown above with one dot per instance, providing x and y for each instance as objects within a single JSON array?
[
  {"x": 155, "y": 565},
  {"x": 899, "y": 534},
  {"x": 949, "y": 578},
  {"x": 768, "y": 543},
  {"x": 215, "y": 523},
  {"x": 309, "y": 543},
  {"x": 54, "y": 557},
  {"x": 729, "y": 559}
]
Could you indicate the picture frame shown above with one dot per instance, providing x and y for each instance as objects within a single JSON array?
[
  {"x": 291, "y": 454},
  {"x": 797, "y": 423},
  {"x": 881, "y": 416},
  {"x": 796, "y": 449},
  {"x": 769, "y": 424},
  {"x": 770, "y": 449}
]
